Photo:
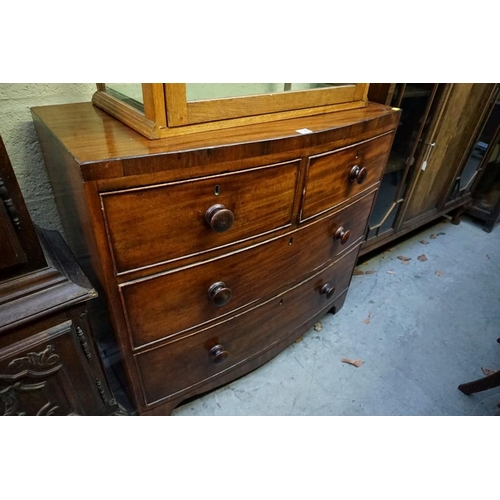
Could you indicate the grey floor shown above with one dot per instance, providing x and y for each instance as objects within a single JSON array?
[{"x": 418, "y": 333}]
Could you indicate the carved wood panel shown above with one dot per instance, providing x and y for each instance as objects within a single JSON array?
[
  {"x": 35, "y": 375},
  {"x": 11, "y": 249}
]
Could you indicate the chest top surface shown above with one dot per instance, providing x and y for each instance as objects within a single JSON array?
[{"x": 92, "y": 136}]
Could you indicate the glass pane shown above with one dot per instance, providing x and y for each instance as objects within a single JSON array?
[
  {"x": 390, "y": 220},
  {"x": 413, "y": 98},
  {"x": 130, "y": 93},
  {"x": 385, "y": 198},
  {"x": 202, "y": 91},
  {"x": 472, "y": 163},
  {"x": 413, "y": 105}
]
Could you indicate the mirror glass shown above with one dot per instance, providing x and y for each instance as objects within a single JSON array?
[
  {"x": 204, "y": 91},
  {"x": 130, "y": 93}
]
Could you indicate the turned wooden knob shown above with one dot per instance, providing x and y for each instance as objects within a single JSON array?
[
  {"x": 218, "y": 354},
  {"x": 358, "y": 174},
  {"x": 220, "y": 294},
  {"x": 327, "y": 290},
  {"x": 342, "y": 235},
  {"x": 219, "y": 218}
]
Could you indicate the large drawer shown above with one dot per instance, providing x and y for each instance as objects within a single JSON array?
[
  {"x": 333, "y": 177},
  {"x": 190, "y": 361},
  {"x": 162, "y": 223},
  {"x": 182, "y": 295}
]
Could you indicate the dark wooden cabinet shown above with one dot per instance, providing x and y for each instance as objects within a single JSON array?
[
  {"x": 485, "y": 160},
  {"x": 20, "y": 250},
  {"x": 49, "y": 364},
  {"x": 214, "y": 250},
  {"x": 51, "y": 367},
  {"x": 427, "y": 174}
]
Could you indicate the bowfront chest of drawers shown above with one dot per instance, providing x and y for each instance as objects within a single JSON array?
[{"x": 214, "y": 250}]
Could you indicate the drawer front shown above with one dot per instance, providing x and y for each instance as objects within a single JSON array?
[
  {"x": 166, "y": 222},
  {"x": 250, "y": 275},
  {"x": 182, "y": 364},
  {"x": 334, "y": 177}
]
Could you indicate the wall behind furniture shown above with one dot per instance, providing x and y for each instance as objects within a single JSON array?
[{"x": 21, "y": 142}]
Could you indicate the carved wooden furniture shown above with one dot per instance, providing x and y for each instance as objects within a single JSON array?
[
  {"x": 48, "y": 361},
  {"x": 158, "y": 110},
  {"x": 427, "y": 174},
  {"x": 215, "y": 250}
]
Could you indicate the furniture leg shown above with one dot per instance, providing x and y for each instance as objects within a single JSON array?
[
  {"x": 458, "y": 213},
  {"x": 482, "y": 384}
]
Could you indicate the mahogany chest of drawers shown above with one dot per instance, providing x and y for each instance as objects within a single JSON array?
[{"x": 215, "y": 250}]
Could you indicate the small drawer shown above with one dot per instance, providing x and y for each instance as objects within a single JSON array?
[
  {"x": 334, "y": 177},
  {"x": 163, "y": 223},
  {"x": 209, "y": 290},
  {"x": 190, "y": 361}
]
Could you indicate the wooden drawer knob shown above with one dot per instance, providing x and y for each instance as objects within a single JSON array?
[
  {"x": 218, "y": 354},
  {"x": 358, "y": 174},
  {"x": 327, "y": 290},
  {"x": 220, "y": 294},
  {"x": 219, "y": 218},
  {"x": 342, "y": 235}
]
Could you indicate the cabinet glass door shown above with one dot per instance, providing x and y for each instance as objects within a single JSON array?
[
  {"x": 415, "y": 101},
  {"x": 482, "y": 155}
]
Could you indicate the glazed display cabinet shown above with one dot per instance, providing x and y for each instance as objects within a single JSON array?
[{"x": 427, "y": 174}]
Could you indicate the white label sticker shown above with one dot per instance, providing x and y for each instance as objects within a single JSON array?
[
  {"x": 424, "y": 165},
  {"x": 304, "y": 131}
]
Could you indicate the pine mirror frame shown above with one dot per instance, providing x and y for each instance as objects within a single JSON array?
[{"x": 167, "y": 112}]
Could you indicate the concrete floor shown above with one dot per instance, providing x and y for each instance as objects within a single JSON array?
[{"x": 426, "y": 334}]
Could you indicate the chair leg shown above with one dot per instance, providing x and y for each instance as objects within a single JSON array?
[{"x": 481, "y": 384}]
